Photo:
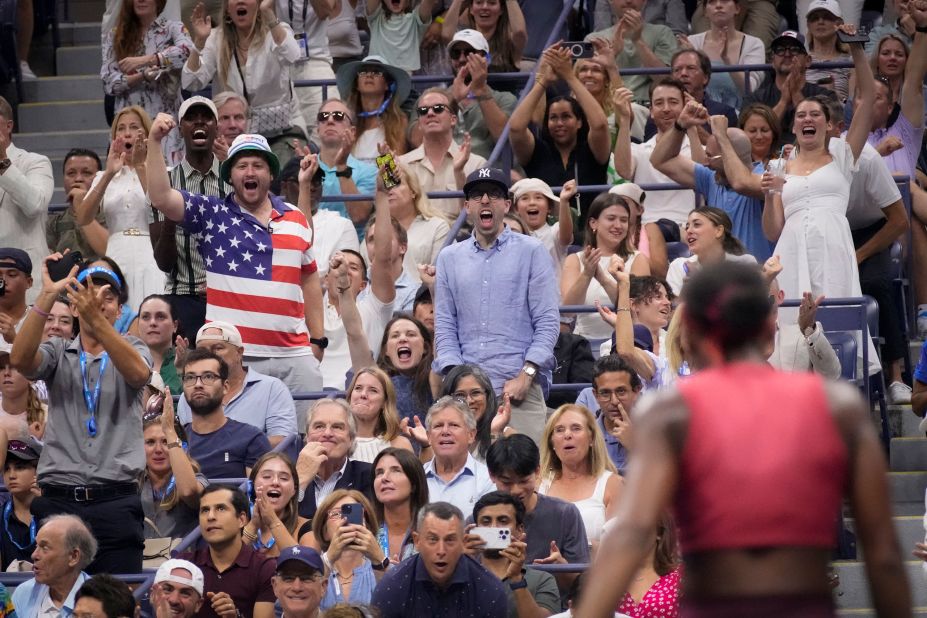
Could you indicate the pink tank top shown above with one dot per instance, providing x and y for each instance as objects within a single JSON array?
[{"x": 763, "y": 464}]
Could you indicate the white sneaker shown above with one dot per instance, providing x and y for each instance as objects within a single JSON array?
[
  {"x": 28, "y": 75},
  {"x": 899, "y": 393}
]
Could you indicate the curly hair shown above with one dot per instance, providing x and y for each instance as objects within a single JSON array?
[{"x": 128, "y": 35}]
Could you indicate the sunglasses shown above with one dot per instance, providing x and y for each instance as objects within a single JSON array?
[
  {"x": 789, "y": 51},
  {"x": 370, "y": 72},
  {"x": 336, "y": 116},
  {"x": 457, "y": 52},
  {"x": 438, "y": 108}
]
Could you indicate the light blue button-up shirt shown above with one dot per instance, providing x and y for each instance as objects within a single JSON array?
[
  {"x": 470, "y": 484},
  {"x": 29, "y": 597},
  {"x": 364, "y": 176},
  {"x": 497, "y": 307}
]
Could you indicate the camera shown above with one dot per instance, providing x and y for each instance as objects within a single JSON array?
[
  {"x": 2, "y": 286},
  {"x": 579, "y": 49}
]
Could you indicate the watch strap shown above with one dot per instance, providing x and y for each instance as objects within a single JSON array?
[
  {"x": 175, "y": 444},
  {"x": 513, "y": 586}
]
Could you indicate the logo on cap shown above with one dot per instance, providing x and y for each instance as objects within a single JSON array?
[{"x": 485, "y": 173}]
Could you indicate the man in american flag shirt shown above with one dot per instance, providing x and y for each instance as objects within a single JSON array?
[{"x": 261, "y": 274}]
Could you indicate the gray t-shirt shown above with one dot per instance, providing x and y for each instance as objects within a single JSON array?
[
  {"x": 542, "y": 586},
  {"x": 556, "y": 520},
  {"x": 175, "y": 523},
  {"x": 70, "y": 455}
]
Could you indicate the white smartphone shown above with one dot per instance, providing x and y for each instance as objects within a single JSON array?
[{"x": 496, "y": 538}]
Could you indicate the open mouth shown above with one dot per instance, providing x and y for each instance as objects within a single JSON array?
[
  {"x": 404, "y": 353},
  {"x": 251, "y": 185},
  {"x": 273, "y": 494},
  {"x": 690, "y": 240},
  {"x": 241, "y": 11},
  {"x": 395, "y": 5},
  {"x": 447, "y": 442},
  {"x": 199, "y": 136},
  {"x": 486, "y": 216},
  {"x": 532, "y": 212},
  {"x": 808, "y": 131}
]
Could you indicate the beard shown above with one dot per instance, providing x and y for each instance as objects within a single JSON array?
[{"x": 202, "y": 407}]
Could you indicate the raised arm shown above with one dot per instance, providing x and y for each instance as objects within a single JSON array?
[
  {"x": 188, "y": 488},
  {"x": 162, "y": 196},
  {"x": 359, "y": 347},
  {"x": 518, "y": 29},
  {"x": 382, "y": 284},
  {"x": 666, "y": 157},
  {"x": 639, "y": 360},
  {"x": 624, "y": 161},
  {"x": 520, "y": 135},
  {"x": 862, "y": 117},
  {"x": 912, "y": 92},
  {"x": 451, "y": 19},
  {"x": 565, "y": 214},
  {"x": 425, "y": 9},
  {"x": 599, "y": 138},
  {"x": 738, "y": 175}
]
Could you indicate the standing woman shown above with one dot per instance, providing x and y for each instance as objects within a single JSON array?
[
  {"x": 585, "y": 277},
  {"x": 426, "y": 230},
  {"x": 760, "y": 124},
  {"x": 374, "y": 91},
  {"x": 890, "y": 61},
  {"x": 823, "y": 46},
  {"x": 500, "y": 21},
  {"x": 574, "y": 141},
  {"x": 250, "y": 54},
  {"x": 142, "y": 59},
  {"x": 157, "y": 327},
  {"x": 399, "y": 491},
  {"x": 276, "y": 523},
  {"x": 120, "y": 191},
  {"x": 373, "y": 402},
  {"x": 727, "y": 45}
]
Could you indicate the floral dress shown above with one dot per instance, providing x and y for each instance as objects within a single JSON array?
[
  {"x": 661, "y": 601},
  {"x": 170, "y": 40}
]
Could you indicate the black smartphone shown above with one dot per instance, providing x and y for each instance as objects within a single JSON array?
[
  {"x": 579, "y": 49},
  {"x": 61, "y": 268},
  {"x": 390, "y": 174},
  {"x": 353, "y": 513},
  {"x": 861, "y": 36}
]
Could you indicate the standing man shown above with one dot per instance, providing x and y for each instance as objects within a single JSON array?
[
  {"x": 26, "y": 187},
  {"x": 92, "y": 459},
  {"x": 175, "y": 249},
  {"x": 496, "y": 304},
  {"x": 757, "y": 509},
  {"x": 261, "y": 274},
  {"x": 16, "y": 275},
  {"x": 62, "y": 232}
]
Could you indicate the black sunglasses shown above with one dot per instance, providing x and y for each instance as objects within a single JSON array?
[
  {"x": 457, "y": 52},
  {"x": 337, "y": 116},
  {"x": 437, "y": 108}
]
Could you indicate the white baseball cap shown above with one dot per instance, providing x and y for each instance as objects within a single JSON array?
[
  {"x": 473, "y": 38},
  {"x": 630, "y": 191},
  {"x": 831, "y": 6},
  {"x": 227, "y": 333},
  {"x": 165, "y": 574},
  {"x": 194, "y": 101},
  {"x": 527, "y": 185}
]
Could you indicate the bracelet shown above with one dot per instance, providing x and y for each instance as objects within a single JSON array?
[
  {"x": 439, "y": 20},
  {"x": 272, "y": 25},
  {"x": 678, "y": 126},
  {"x": 39, "y": 311},
  {"x": 481, "y": 97},
  {"x": 920, "y": 28},
  {"x": 249, "y": 536},
  {"x": 628, "y": 309}
]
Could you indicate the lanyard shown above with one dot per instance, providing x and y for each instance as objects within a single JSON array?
[
  {"x": 258, "y": 544},
  {"x": 159, "y": 496},
  {"x": 379, "y": 111},
  {"x": 6, "y": 521},
  {"x": 305, "y": 10},
  {"x": 92, "y": 400}
]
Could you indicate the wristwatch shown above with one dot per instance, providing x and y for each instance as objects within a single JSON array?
[
  {"x": 322, "y": 342},
  {"x": 346, "y": 173},
  {"x": 381, "y": 566},
  {"x": 530, "y": 370},
  {"x": 175, "y": 444},
  {"x": 5, "y": 165},
  {"x": 513, "y": 586}
]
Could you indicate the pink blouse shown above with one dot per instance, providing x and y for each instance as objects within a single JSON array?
[{"x": 661, "y": 601}]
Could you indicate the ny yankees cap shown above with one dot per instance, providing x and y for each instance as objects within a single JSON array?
[{"x": 487, "y": 175}]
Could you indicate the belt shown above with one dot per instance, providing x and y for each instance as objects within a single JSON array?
[
  {"x": 133, "y": 231},
  {"x": 89, "y": 493}
]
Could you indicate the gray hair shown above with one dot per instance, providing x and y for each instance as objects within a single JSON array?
[
  {"x": 77, "y": 535},
  {"x": 227, "y": 95},
  {"x": 449, "y": 402},
  {"x": 348, "y": 417},
  {"x": 444, "y": 511}
]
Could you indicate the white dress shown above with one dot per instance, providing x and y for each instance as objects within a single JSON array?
[
  {"x": 591, "y": 509},
  {"x": 125, "y": 210},
  {"x": 591, "y": 325}
]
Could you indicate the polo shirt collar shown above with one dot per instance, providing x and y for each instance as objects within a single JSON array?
[
  {"x": 243, "y": 559},
  {"x": 609, "y": 438},
  {"x": 69, "y": 602},
  {"x": 460, "y": 576},
  {"x": 189, "y": 171},
  {"x": 500, "y": 241},
  {"x": 469, "y": 467}
]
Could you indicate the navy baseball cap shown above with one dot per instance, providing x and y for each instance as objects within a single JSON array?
[
  {"x": 301, "y": 553},
  {"x": 101, "y": 276},
  {"x": 487, "y": 175},
  {"x": 16, "y": 258}
]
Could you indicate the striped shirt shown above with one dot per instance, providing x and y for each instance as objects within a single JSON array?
[
  {"x": 254, "y": 273},
  {"x": 188, "y": 276}
]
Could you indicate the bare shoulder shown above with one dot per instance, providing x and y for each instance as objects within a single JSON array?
[{"x": 849, "y": 409}]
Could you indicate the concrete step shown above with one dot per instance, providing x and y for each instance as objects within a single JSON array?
[
  {"x": 66, "y": 88},
  {"x": 62, "y": 116},
  {"x": 908, "y": 454},
  {"x": 854, "y": 585},
  {"x": 57, "y": 144},
  {"x": 79, "y": 60},
  {"x": 908, "y": 487},
  {"x": 909, "y": 422},
  {"x": 83, "y": 11},
  {"x": 869, "y": 613},
  {"x": 908, "y": 509},
  {"x": 80, "y": 33},
  {"x": 908, "y": 528}
]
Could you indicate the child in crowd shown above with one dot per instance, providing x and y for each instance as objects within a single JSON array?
[
  {"x": 396, "y": 31},
  {"x": 533, "y": 201}
]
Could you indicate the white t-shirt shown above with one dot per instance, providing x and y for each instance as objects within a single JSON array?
[
  {"x": 549, "y": 235},
  {"x": 337, "y": 360},
  {"x": 681, "y": 268},
  {"x": 872, "y": 190},
  {"x": 673, "y": 205},
  {"x": 331, "y": 232},
  {"x": 291, "y": 11}
]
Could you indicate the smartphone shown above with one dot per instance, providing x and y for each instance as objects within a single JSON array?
[
  {"x": 861, "y": 36},
  {"x": 353, "y": 514},
  {"x": 61, "y": 268},
  {"x": 496, "y": 538},
  {"x": 390, "y": 174},
  {"x": 579, "y": 49}
]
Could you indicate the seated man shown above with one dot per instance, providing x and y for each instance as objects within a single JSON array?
[
  {"x": 453, "y": 474},
  {"x": 104, "y": 596},
  {"x": 440, "y": 580},
  {"x": 300, "y": 582},
  {"x": 554, "y": 530},
  {"x": 440, "y": 163},
  {"x": 236, "y": 578},
  {"x": 177, "y": 590},
  {"x": 530, "y": 592},
  {"x": 64, "y": 547},
  {"x": 259, "y": 400},
  {"x": 323, "y": 464},
  {"x": 224, "y": 448},
  {"x": 16, "y": 274},
  {"x": 62, "y": 232},
  {"x": 616, "y": 387}
]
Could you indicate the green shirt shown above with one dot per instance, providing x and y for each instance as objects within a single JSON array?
[
  {"x": 660, "y": 40},
  {"x": 62, "y": 232},
  {"x": 168, "y": 373}
]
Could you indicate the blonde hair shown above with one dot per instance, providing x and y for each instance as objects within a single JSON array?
[
  {"x": 420, "y": 198},
  {"x": 321, "y": 514},
  {"x": 228, "y": 39},
  {"x": 131, "y": 109},
  {"x": 597, "y": 457},
  {"x": 170, "y": 500},
  {"x": 388, "y": 416},
  {"x": 603, "y": 98}
]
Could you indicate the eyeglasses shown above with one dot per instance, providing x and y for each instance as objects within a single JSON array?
[
  {"x": 606, "y": 395},
  {"x": 789, "y": 51},
  {"x": 494, "y": 194},
  {"x": 437, "y": 108},
  {"x": 457, "y": 52},
  {"x": 306, "y": 579},
  {"x": 207, "y": 378},
  {"x": 336, "y": 116},
  {"x": 475, "y": 395},
  {"x": 368, "y": 72}
]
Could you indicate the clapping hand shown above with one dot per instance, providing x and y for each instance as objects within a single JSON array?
[
  {"x": 200, "y": 25},
  {"x": 502, "y": 417},
  {"x": 807, "y": 310},
  {"x": 416, "y": 431}
]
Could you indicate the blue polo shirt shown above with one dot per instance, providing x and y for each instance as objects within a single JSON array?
[
  {"x": 407, "y": 590},
  {"x": 363, "y": 174},
  {"x": 920, "y": 372}
]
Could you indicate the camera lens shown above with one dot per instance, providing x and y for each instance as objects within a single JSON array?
[{"x": 576, "y": 50}]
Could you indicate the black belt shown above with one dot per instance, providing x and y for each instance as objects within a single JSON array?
[{"x": 89, "y": 493}]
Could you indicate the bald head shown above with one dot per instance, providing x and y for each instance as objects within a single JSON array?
[{"x": 741, "y": 144}]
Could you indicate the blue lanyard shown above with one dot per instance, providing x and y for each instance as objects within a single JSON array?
[
  {"x": 6, "y": 521},
  {"x": 92, "y": 400},
  {"x": 258, "y": 544},
  {"x": 160, "y": 495},
  {"x": 383, "y": 539},
  {"x": 379, "y": 111}
]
